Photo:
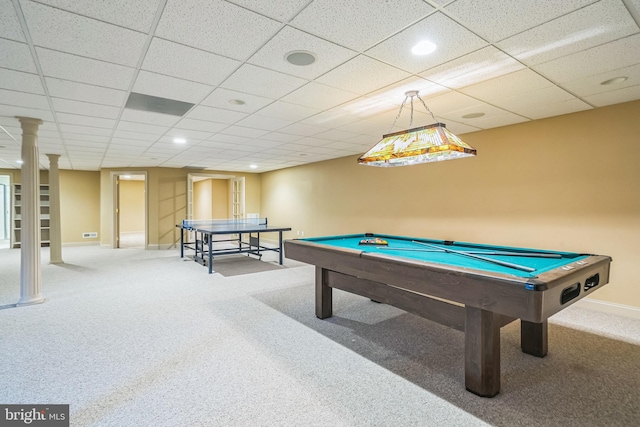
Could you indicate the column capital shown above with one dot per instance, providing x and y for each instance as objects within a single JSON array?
[
  {"x": 29, "y": 124},
  {"x": 53, "y": 157}
]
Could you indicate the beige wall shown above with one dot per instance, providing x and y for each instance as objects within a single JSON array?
[
  {"x": 220, "y": 198},
  {"x": 79, "y": 205},
  {"x": 132, "y": 206},
  {"x": 565, "y": 183},
  {"x": 202, "y": 199},
  {"x": 211, "y": 199}
]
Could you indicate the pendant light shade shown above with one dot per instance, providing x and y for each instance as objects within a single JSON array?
[{"x": 424, "y": 144}]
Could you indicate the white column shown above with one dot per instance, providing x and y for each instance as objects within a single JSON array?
[
  {"x": 55, "y": 238},
  {"x": 30, "y": 269}
]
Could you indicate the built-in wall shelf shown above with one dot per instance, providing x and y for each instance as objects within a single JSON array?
[{"x": 16, "y": 215}]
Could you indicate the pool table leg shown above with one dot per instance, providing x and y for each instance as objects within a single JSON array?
[
  {"x": 534, "y": 338},
  {"x": 324, "y": 295},
  {"x": 482, "y": 352}
]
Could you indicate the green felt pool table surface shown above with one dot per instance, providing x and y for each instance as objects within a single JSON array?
[{"x": 415, "y": 248}]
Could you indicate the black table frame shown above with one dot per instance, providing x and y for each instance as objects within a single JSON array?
[{"x": 203, "y": 243}]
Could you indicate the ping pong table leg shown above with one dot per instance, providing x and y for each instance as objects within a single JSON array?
[
  {"x": 210, "y": 254},
  {"x": 181, "y": 242},
  {"x": 280, "y": 249}
]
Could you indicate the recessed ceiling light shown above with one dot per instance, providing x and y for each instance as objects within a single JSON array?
[
  {"x": 19, "y": 162},
  {"x": 614, "y": 81},
  {"x": 300, "y": 58},
  {"x": 253, "y": 166},
  {"x": 472, "y": 115},
  {"x": 236, "y": 102},
  {"x": 423, "y": 48},
  {"x": 303, "y": 154},
  {"x": 179, "y": 140}
]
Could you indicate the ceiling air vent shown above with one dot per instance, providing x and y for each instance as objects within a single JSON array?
[{"x": 154, "y": 104}]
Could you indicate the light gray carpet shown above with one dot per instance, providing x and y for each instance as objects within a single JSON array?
[
  {"x": 238, "y": 265},
  {"x": 130, "y": 337}
]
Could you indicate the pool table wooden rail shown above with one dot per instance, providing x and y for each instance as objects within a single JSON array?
[{"x": 473, "y": 301}]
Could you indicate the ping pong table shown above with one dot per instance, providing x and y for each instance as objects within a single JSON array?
[{"x": 204, "y": 230}]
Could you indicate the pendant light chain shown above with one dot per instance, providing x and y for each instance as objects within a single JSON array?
[
  {"x": 427, "y": 108},
  {"x": 399, "y": 112}
]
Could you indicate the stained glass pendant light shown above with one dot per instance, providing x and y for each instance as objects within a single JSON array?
[{"x": 423, "y": 144}]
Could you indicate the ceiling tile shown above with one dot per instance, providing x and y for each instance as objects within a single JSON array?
[
  {"x": 487, "y": 110},
  {"x": 498, "y": 19},
  {"x": 508, "y": 85},
  {"x": 243, "y": 131},
  {"x": 16, "y": 56},
  {"x": 375, "y": 20},
  {"x": 84, "y": 70},
  {"x": 475, "y": 67},
  {"x": 149, "y": 117},
  {"x": 592, "y": 85},
  {"x": 24, "y": 82},
  {"x": 273, "y": 54},
  {"x": 362, "y": 75},
  {"x": 614, "y": 96},
  {"x": 262, "y": 122},
  {"x": 170, "y": 87},
  {"x": 303, "y": 129},
  {"x": 23, "y": 99},
  {"x": 262, "y": 82},
  {"x": 188, "y": 134},
  {"x": 13, "y": 111},
  {"x": 142, "y": 127},
  {"x": 217, "y": 115},
  {"x": 392, "y": 96},
  {"x": 83, "y": 92},
  {"x": 212, "y": 25},
  {"x": 452, "y": 41},
  {"x": 200, "y": 125},
  {"x": 541, "y": 111},
  {"x": 86, "y": 130},
  {"x": 67, "y": 32},
  {"x": 70, "y": 136},
  {"x": 169, "y": 58},
  {"x": 448, "y": 102},
  {"x": 123, "y": 134},
  {"x": 9, "y": 25},
  {"x": 221, "y": 98},
  {"x": 136, "y": 15},
  {"x": 281, "y": 10},
  {"x": 618, "y": 54},
  {"x": 496, "y": 121},
  {"x": 84, "y": 108},
  {"x": 286, "y": 111},
  {"x": 280, "y": 137},
  {"x": 315, "y": 95},
  {"x": 591, "y": 26}
]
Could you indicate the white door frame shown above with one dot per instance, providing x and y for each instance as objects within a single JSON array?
[{"x": 114, "y": 215}]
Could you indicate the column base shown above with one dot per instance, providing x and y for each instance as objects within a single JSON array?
[{"x": 30, "y": 301}]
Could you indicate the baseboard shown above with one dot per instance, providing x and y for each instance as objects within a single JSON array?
[
  {"x": 80, "y": 244},
  {"x": 609, "y": 307}
]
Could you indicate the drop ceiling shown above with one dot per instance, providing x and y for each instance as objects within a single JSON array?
[{"x": 74, "y": 64}]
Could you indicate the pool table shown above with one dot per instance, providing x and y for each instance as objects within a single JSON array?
[{"x": 474, "y": 288}]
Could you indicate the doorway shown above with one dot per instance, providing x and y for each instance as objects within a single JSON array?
[
  {"x": 130, "y": 210},
  {"x": 215, "y": 196}
]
